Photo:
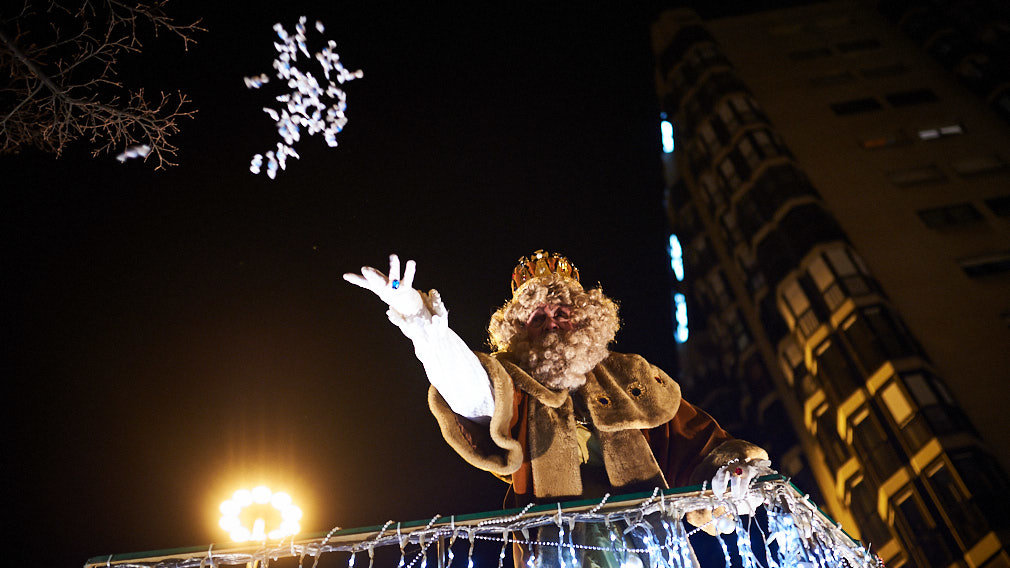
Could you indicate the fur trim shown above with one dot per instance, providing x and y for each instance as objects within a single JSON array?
[
  {"x": 488, "y": 447},
  {"x": 627, "y": 392}
]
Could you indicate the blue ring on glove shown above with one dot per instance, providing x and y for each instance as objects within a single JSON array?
[{"x": 395, "y": 284}]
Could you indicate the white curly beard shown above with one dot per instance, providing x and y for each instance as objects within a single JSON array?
[{"x": 560, "y": 360}]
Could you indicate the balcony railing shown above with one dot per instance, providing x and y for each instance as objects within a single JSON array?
[{"x": 767, "y": 523}]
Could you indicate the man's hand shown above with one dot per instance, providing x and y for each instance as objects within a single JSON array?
[{"x": 396, "y": 291}]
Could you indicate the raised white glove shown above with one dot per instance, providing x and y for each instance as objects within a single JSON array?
[
  {"x": 451, "y": 367},
  {"x": 398, "y": 293}
]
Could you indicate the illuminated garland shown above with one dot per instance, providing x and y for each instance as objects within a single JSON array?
[{"x": 798, "y": 535}]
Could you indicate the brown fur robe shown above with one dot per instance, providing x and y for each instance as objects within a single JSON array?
[{"x": 648, "y": 435}]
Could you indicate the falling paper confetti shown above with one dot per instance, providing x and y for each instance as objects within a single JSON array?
[
  {"x": 310, "y": 104},
  {"x": 139, "y": 151}
]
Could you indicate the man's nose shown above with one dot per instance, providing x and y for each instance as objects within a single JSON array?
[{"x": 550, "y": 323}]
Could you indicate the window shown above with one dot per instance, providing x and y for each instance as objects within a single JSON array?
[
  {"x": 978, "y": 165},
  {"x": 746, "y": 109},
  {"x": 856, "y": 106},
  {"x": 958, "y": 214},
  {"x": 849, "y": 282},
  {"x": 917, "y": 175},
  {"x": 798, "y": 305},
  {"x": 910, "y": 98},
  {"x": 986, "y": 481},
  {"x": 738, "y": 330},
  {"x": 863, "y": 502},
  {"x": 987, "y": 264},
  {"x": 875, "y": 451},
  {"x": 914, "y": 521},
  {"x": 730, "y": 228},
  {"x": 834, "y": 21},
  {"x": 811, "y": 53},
  {"x": 718, "y": 285},
  {"x": 883, "y": 141},
  {"x": 886, "y": 70},
  {"x": 682, "y": 331},
  {"x": 729, "y": 172},
  {"x": 826, "y": 432},
  {"x": 937, "y": 132},
  {"x": 713, "y": 190},
  {"x": 836, "y": 370},
  {"x": 918, "y": 386},
  {"x": 666, "y": 132},
  {"x": 707, "y": 136},
  {"x": 785, "y": 29},
  {"x": 965, "y": 518},
  {"x": 771, "y": 320},
  {"x": 748, "y": 265},
  {"x": 896, "y": 403},
  {"x": 857, "y": 45},
  {"x": 999, "y": 205},
  {"x": 791, "y": 360},
  {"x": 876, "y": 336},
  {"x": 676, "y": 257},
  {"x": 833, "y": 78}
]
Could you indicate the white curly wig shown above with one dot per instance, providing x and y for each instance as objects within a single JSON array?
[{"x": 558, "y": 360}]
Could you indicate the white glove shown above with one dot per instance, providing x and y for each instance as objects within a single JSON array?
[
  {"x": 451, "y": 367},
  {"x": 398, "y": 293},
  {"x": 738, "y": 475}
]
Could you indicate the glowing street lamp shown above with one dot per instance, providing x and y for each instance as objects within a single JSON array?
[{"x": 259, "y": 500}]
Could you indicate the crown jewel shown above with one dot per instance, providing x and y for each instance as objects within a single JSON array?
[{"x": 542, "y": 263}]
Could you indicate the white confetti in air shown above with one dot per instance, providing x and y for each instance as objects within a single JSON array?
[
  {"x": 256, "y": 82},
  {"x": 310, "y": 105},
  {"x": 138, "y": 151}
]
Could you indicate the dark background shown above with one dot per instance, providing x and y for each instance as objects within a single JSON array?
[{"x": 175, "y": 335}]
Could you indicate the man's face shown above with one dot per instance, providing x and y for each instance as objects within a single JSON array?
[{"x": 548, "y": 318}]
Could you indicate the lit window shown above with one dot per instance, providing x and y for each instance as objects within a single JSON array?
[
  {"x": 841, "y": 261},
  {"x": 680, "y": 314},
  {"x": 896, "y": 403},
  {"x": 676, "y": 258},
  {"x": 940, "y": 132},
  {"x": 796, "y": 298},
  {"x": 666, "y": 128}
]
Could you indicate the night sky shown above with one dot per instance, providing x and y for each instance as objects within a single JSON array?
[{"x": 175, "y": 335}]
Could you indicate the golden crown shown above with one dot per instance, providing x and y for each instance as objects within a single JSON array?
[{"x": 539, "y": 264}]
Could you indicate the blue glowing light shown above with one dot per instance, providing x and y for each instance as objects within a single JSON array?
[
  {"x": 666, "y": 128},
  {"x": 680, "y": 313},
  {"x": 676, "y": 258}
]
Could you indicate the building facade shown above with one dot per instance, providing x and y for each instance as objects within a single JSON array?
[{"x": 840, "y": 202}]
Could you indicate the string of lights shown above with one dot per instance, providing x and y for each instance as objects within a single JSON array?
[{"x": 793, "y": 533}]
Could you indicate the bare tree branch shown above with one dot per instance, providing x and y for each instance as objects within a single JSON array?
[{"x": 63, "y": 82}]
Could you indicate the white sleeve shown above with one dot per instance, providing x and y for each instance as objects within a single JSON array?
[{"x": 450, "y": 365}]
